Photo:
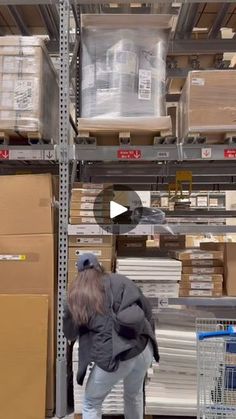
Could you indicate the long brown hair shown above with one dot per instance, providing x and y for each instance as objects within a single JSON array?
[{"x": 86, "y": 296}]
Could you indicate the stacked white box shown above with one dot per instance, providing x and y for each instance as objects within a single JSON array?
[
  {"x": 171, "y": 387},
  {"x": 157, "y": 277},
  {"x": 113, "y": 404}
]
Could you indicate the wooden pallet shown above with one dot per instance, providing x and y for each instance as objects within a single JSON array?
[
  {"x": 8, "y": 137},
  {"x": 210, "y": 138}
]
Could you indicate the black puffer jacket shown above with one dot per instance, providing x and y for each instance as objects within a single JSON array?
[{"x": 99, "y": 342}]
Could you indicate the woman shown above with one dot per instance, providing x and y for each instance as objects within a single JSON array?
[{"x": 113, "y": 321}]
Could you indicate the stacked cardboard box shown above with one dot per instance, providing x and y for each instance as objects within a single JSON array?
[
  {"x": 90, "y": 204},
  {"x": 29, "y": 98},
  {"x": 229, "y": 251},
  {"x": 131, "y": 245},
  {"x": 207, "y": 103},
  {"x": 202, "y": 273},
  {"x": 168, "y": 241},
  {"x": 27, "y": 249}
]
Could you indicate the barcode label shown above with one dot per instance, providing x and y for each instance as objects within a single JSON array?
[
  {"x": 23, "y": 95},
  {"x": 145, "y": 85},
  {"x": 12, "y": 257}
]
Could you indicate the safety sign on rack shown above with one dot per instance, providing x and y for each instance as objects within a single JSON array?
[
  {"x": 163, "y": 302},
  {"x": 206, "y": 153},
  {"x": 230, "y": 153},
  {"x": 129, "y": 154},
  {"x": 4, "y": 154}
]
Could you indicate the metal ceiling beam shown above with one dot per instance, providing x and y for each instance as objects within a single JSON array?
[
  {"x": 186, "y": 21},
  {"x": 201, "y": 46},
  {"x": 52, "y": 30},
  {"x": 218, "y": 20},
  {"x": 19, "y": 21}
]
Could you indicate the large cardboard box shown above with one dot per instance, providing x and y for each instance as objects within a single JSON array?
[
  {"x": 202, "y": 262},
  {"x": 195, "y": 285},
  {"x": 207, "y": 103},
  {"x": 27, "y": 266},
  {"x": 23, "y": 355},
  {"x": 26, "y": 204}
]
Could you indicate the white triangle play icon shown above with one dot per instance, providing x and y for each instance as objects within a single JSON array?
[{"x": 116, "y": 209}]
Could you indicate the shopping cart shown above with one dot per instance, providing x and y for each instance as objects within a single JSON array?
[{"x": 216, "y": 356}]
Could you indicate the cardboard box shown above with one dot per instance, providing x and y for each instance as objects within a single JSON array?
[
  {"x": 26, "y": 204},
  {"x": 106, "y": 263},
  {"x": 100, "y": 252},
  {"x": 86, "y": 241},
  {"x": 207, "y": 103},
  {"x": 172, "y": 245},
  {"x": 203, "y": 270},
  {"x": 199, "y": 293},
  {"x": 90, "y": 213},
  {"x": 172, "y": 238},
  {"x": 194, "y": 285},
  {"x": 194, "y": 254},
  {"x": 90, "y": 220},
  {"x": 229, "y": 250},
  {"x": 202, "y": 263},
  {"x": 87, "y": 185},
  {"x": 89, "y": 206},
  {"x": 215, "y": 246},
  {"x": 77, "y": 194},
  {"x": 29, "y": 268},
  {"x": 203, "y": 278},
  {"x": 23, "y": 355}
]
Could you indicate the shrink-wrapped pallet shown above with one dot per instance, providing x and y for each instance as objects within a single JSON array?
[
  {"x": 29, "y": 91},
  {"x": 123, "y": 65}
]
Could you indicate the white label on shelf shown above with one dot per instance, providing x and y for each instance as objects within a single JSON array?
[
  {"x": 163, "y": 154},
  {"x": 201, "y": 256},
  {"x": 89, "y": 240},
  {"x": 13, "y": 257},
  {"x": 26, "y": 154},
  {"x": 88, "y": 76},
  {"x": 23, "y": 95},
  {"x": 163, "y": 302},
  {"x": 200, "y": 293},
  {"x": 206, "y": 153},
  {"x": 203, "y": 270},
  {"x": 198, "y": 81},
  {"x": 145, "y": 85},
  {"x": 94, "y": 252}
]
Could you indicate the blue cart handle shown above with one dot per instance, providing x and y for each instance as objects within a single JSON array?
[{"x": 231, "y": 331}]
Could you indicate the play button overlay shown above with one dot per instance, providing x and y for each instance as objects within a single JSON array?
[
  {"x": 116, "y": 209},
  {"x": 115, "y": 206}
]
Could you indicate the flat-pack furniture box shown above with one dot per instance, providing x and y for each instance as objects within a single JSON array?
[
  {"x": 27, "y": 266},
  {"x": 195, "y": 254},
  {"x": 29, "y": 92},
  {"x": 207, "y": 103},
  {"x": 229, "y": 250},
  {"x": 26, "y": 204},
  {"x": 23, "y": 355}
]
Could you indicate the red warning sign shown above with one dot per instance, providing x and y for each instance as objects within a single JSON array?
[
  {"x": 129, "y": 154},
  {"x": 4, "y": 154},
  {"x": 230, "y": 153}
]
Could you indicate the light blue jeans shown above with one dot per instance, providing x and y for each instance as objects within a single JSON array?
[{"x": 100, "y": 383}]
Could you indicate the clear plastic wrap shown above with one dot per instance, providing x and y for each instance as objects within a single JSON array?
[
  {"x": 29, "y": 91},
  {"x": 208, "y": 102},
  {"x": 123, "y": 66}
]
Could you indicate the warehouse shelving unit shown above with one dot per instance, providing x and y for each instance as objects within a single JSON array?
[{"x": 186, "y": 52}]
